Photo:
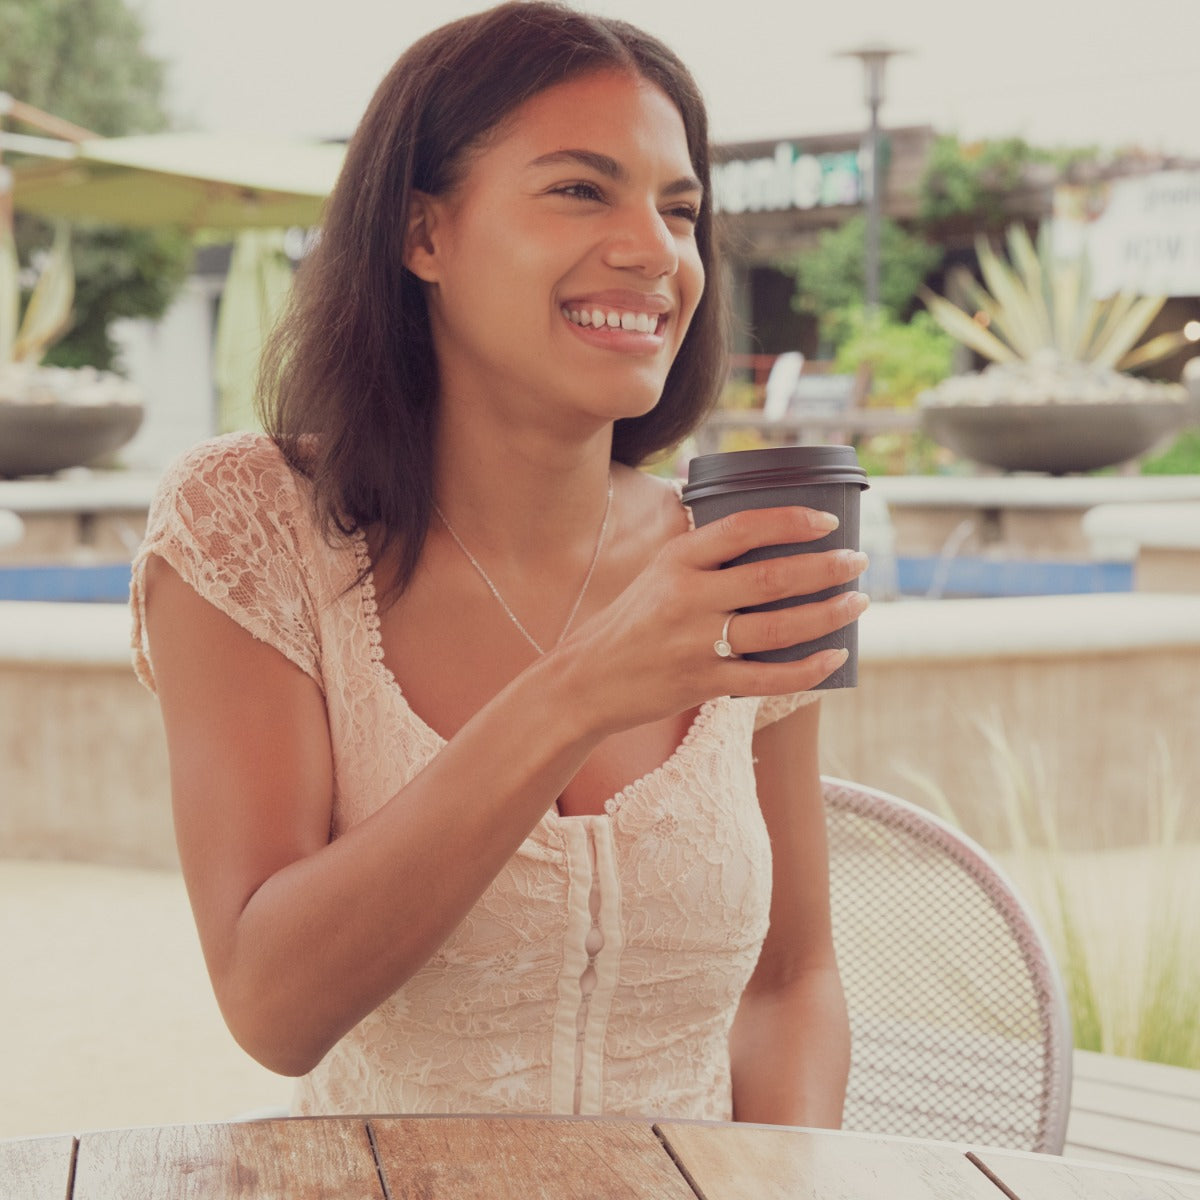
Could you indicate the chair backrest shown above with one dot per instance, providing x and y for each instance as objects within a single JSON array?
[{"x": 959, "y": 1023}]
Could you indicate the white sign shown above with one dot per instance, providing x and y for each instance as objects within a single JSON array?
[
  {"x": 1141, "y": 235},
  {"x": 787, "y": 180}
]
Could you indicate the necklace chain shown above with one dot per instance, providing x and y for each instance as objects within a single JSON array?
[{"x": 512, "y": 616}]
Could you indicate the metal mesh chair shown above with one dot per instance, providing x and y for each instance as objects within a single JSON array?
[{"x": 960, "y": 1027}]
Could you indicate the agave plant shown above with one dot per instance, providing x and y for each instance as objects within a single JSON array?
[
  {"x": 1056, "y": 396},
  {"x": 25, "y": 339},
  {"x": 1038, "y": 310},
  {"x": 48, "y": 313}
]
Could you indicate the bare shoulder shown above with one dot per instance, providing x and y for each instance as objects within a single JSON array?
[{"x": 654, "y": 501}]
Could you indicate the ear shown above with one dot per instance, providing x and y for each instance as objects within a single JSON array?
[{"x": 420, "y": 241}]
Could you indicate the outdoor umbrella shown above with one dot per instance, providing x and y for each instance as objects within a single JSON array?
[
  {"x": 194, "y": 180},
  {"x": 251, "y": 186}
]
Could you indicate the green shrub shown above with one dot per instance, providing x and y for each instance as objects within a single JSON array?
[
  {"x": 905, "y": 357},
  {"x": 1182, "y": 457},
  {"x": 831, "y": 278}
]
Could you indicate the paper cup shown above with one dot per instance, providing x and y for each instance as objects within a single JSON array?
[{"x": 827, "y": 478}]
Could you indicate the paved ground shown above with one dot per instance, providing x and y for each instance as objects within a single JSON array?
[{"x": 106, "y": 1015}]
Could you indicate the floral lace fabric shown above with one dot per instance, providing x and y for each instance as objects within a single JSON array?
[{"x": 601, "y": 970}]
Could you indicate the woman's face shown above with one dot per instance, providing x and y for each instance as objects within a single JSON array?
[{"x": 563, "y": 271}]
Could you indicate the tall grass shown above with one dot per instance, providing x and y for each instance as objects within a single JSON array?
[{"x": 1123, "y": 922}]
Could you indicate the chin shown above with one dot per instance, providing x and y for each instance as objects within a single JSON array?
[{"x": 637, "y": 398}]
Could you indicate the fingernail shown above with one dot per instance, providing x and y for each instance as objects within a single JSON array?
[
  {"x": 825, "y": 520},
  {"x": 832, "y": 659},
  {"x": 855, "y": 559},
  {"x": 857, "y": 603}
]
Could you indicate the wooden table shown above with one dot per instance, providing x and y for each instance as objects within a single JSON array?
[{"x": 539, "y": 1158}]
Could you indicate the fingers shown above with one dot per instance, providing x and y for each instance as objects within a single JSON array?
[
  {"x": 732, "y": 536},
  {"x": 746, "y": 678},
  {"x": 754, "y": 632},
  {"x": 770, "y": 579}
]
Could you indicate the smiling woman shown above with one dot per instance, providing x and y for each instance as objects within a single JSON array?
[{"x": 468, "y": 815}]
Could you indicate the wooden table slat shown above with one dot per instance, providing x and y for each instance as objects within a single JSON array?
[
  {"x": 1037, "y": 1177},
  {"x": 754, "y": 1162},
  {"x": 526, "y": 1158},
  {"x": 1152, "y": 1144},
  {"x": 1157, "y": 1108},
  {"x": 1134, "y": 1073},
  {"x": 302, "y": 1159},
  {"x": 36, "y": 1168}
]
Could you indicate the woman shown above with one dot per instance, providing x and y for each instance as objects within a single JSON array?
[{"x": 468, "y": 818}]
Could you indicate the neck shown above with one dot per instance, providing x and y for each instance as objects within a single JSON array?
[{"x": 521, "y": 494}]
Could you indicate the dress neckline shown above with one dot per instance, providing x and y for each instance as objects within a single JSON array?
[{"x": 699, "y": 727}]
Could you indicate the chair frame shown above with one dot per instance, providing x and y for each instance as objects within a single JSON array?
[{"x": 976, "y": 862}]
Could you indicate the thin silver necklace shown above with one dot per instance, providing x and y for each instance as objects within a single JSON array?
[{"x": 512, "y": 616}]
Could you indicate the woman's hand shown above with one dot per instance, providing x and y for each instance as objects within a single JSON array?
[{"x": 651, "y": 652}]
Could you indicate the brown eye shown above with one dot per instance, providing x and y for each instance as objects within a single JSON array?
[
  {"x": 686, "y": 212},
  {"x": 579, "y": 191}
]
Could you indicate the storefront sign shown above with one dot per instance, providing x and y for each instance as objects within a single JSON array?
[
  {"x": 789, "y": 179},
  {"x": 1140, "y": 234}
]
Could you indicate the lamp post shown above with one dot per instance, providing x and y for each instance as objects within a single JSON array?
[{"x": 874, "y": 57}]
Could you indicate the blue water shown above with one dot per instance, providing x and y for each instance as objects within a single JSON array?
[
  {"x": 959, "y": 577},
  {"x": 102, "y": 584},
  {"x": 965, "y": 576}
]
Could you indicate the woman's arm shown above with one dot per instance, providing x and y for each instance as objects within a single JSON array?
[
  {"x": 790, "y": 1044},
  {"x": 304, "y": 937}
]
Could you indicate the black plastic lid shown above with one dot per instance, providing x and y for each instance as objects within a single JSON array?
[{"x": 778, "y": 466}]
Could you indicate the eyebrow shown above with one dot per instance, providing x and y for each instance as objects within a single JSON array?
[{"x": 607, "y": 166}]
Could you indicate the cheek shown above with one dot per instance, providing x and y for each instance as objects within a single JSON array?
[{"x": 691, "y": 272}]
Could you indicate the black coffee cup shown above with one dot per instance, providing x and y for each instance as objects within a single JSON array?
[{"x": 827, "y": 478}]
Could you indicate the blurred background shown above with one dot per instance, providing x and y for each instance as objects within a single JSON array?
[{"x": 965, "y": 241}]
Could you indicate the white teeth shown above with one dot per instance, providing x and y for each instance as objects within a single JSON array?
[{"x": 598, "y": 318}]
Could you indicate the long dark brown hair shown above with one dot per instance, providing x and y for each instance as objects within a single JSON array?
[{"x": 349, "y": 382}]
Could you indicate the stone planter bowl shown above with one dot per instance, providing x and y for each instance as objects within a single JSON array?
[
  {"x": 1056, "y": 439},
  {"x": 38, "y": 439}
]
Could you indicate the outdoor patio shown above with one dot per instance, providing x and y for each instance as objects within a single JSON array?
[{"x": 1052, "y": 715}]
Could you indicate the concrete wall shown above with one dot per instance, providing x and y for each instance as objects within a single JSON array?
[
  {"x": 83, "y": 764},
  {"x": 1092, "y": 699},
  {"x": 1083, "y": 708}
]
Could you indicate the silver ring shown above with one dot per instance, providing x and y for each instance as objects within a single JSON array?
[{"x": 721, "y": 645}]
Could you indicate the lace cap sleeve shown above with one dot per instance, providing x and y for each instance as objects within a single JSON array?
[{"x": 228, "y": 517}]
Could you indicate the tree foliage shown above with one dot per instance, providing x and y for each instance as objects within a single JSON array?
[
  {"x": 86, "y": 61},
  {"x": 831, "y": 278},
  {"x": 976, "y": 179},
  {"x": 83, "y": 60}
]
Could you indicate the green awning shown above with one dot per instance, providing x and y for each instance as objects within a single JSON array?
[{"x": 194, "y": 180}]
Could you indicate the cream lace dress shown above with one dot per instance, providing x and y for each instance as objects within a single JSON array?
[{"x": 601, "y": 970}]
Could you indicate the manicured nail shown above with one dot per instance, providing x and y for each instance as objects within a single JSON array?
[
  {"x": 825, "y": 520},
  {"x": 856, "y": 603}
]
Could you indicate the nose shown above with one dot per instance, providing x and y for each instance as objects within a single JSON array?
[{"x": 643, "y": 242}]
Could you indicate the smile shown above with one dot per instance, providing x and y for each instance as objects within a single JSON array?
[{"x": 611, "y": 318}]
